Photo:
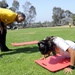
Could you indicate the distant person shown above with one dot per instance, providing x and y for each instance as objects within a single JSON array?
[
  {"x": 70, "y": 25},
  {"x": 58, "y": 45},
  {"x": 6, "y": 17}
]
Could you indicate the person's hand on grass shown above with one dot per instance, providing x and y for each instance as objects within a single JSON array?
[
  {"x": 43, "y": 57},
  {"x": 68, "y": 70}
]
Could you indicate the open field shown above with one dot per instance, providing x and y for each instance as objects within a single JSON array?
[{"x": 20, "y": 61}]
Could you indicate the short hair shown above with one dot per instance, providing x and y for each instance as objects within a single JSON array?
[{"x": 23, "y": 15}]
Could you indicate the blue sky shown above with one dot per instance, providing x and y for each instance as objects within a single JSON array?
[{"x": 44, "y": 7}]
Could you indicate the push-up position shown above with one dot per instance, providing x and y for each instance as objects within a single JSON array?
[{"x": 58, "y": 45}]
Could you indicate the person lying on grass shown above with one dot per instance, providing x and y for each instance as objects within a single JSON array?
[{"x": 58, "y": 45}]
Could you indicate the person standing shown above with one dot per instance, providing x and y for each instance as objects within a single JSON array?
[{"x": 7, "y": 16}]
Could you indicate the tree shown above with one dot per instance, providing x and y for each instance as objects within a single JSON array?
[
  {"x": 30, "y": 12},
  {"x": 73, "y": 17},
  {"x": 55, "y": 19},
  {"x": 15, "y": 6},
  {"x": 68, "y": 13},
  {"x": 57, "y": 15},
  {"x": 3, "y": 4}
]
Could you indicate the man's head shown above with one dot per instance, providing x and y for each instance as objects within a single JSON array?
[{"x": 20, "y": 17}]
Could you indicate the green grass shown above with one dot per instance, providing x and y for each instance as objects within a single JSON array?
[{"x": 21, "y": 60}]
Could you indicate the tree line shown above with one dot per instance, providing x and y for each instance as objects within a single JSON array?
[
  {"x": 28, "y": 9},
  {"x": 60, "y": 16}
]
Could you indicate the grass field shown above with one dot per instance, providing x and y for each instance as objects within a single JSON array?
[{"x": 20, "y": 61}]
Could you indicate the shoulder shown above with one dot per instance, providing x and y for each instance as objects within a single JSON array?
[{"x": 57, "y": 39}]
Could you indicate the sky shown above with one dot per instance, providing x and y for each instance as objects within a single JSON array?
[{"x": 44, "y": 7}]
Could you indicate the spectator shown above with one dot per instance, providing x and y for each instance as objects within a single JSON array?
[{"x": 6, "y": 17}]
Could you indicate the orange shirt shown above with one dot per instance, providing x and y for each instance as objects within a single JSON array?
[{"x": 7, "y": 16}]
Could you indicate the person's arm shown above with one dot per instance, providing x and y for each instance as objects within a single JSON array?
[
  {"x": 43, "y": 57},
  {"x": 72, "y": 60},
  {"x": 1, "y": 28},
  {"x": 72, "y": 56}
]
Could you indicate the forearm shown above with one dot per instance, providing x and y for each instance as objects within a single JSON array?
[
  {"x": 43, "y": 57},
  {"x": 0, "y": 26},
  {"x": 72, "y": 56},
  {"x": 72, "y": 59}
]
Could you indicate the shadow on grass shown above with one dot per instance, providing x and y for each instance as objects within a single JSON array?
[{"x": 21, "y": 50}]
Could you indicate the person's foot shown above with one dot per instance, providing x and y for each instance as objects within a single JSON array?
[{"x": 4, "y": 48}]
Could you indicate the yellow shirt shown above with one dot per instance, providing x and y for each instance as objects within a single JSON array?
[{"x": 7, "y": 16}]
